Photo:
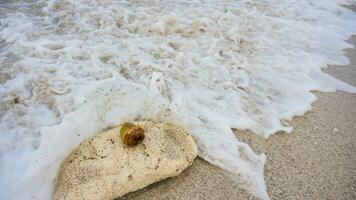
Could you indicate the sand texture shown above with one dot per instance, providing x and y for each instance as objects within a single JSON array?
[{"x": 317, "y": 161}]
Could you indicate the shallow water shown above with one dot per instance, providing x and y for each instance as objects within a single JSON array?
[{"x": 70, "y": 69}]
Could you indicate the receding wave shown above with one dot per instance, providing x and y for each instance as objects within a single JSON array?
[{"x": 70, "y": 69}]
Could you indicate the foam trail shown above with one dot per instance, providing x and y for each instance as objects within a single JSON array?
[{"x": 70, "y": 69}]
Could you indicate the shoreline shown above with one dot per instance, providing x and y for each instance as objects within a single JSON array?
[
  {"x": 316, "y": 161},
  {"x": 71, "y": 76}
]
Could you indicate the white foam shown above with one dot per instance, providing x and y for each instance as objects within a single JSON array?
[{"x": 70, "y": 69}]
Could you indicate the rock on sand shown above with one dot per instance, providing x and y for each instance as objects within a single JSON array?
[{"x": 103, "y": 168}]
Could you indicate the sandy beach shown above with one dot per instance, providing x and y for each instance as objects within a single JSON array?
[
  {"x": 316, "y": 161},
  {"x": 72, "y": 69}
]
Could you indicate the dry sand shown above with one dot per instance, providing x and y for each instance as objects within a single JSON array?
[{"x": 316, "y": 161}]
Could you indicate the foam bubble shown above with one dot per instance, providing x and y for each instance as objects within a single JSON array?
[{"x": 70, "y": 69}]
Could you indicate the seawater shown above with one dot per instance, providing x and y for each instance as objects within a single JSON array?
[{"x": 70, "y": 69}]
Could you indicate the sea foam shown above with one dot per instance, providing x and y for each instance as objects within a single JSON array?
[{"x": 70, "y": 69}]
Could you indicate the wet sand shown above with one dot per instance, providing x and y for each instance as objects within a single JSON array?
[{"x": 316, "y": 161}]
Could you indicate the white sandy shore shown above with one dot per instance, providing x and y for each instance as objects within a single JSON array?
[
  {"x": 317, "y": 161},
  {"x": 74, "y": 68}
]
